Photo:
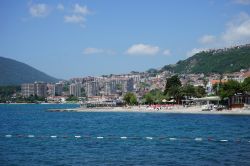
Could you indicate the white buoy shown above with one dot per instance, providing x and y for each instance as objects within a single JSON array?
[
  {"x": 8, "y": 136},
  {"x": 31, "y": 136},
  {"x": 172, "y": 139},
  {"x": 223, "y": 140},
  {"x": 198, "y": 139},
  {"x": 99, "y": 137},
  {"x": 123, "y": 137},
  {"x": 149, "y": 137},
  {"x": 77, "y": 136},
  {"x": 53, "y": 136}
]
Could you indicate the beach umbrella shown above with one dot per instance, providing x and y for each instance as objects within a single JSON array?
[
  {"x": 164, "y": 100},
  {"x": 171, "y": 101}
]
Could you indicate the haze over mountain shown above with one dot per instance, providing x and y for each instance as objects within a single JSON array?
[
  {"x": 225, "y": 60},
  {"x": 16, "y": 73}
]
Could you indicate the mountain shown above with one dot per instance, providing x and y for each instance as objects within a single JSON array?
[
  {"x": 225, "y": 60},
  {"x": 16, "y": 73}
]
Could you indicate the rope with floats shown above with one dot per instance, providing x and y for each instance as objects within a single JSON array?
[{"x": 197, "y": 139}]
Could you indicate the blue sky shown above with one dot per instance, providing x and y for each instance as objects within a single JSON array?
[{"x": 72, "y": 38}]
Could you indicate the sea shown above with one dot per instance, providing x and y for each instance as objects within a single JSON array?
[{"x": 30, "y": 135}]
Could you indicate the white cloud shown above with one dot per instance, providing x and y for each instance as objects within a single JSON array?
[
  {"x": 237, "y": 31},
  {"x": 81, "y": 9},
  {"x": 243, "y": 2},
  {"x": 195, "y": 51},
  {"x": 93, "y": 50},
  {"x": 207, "y": 39},
  {"x": 74, "y": 19},
  {"x": 143, "y": 49},
  {"x": 39, "y": 10},
  {"x": 77, "y": 15},
  {"x": 60, "y": 7},
  {"x": 166, "y": 52}
]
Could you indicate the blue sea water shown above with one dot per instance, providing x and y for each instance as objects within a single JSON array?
[{"x": 148, "y": 138}]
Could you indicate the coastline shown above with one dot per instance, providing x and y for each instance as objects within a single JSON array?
[{"x": 171, "y": 110}]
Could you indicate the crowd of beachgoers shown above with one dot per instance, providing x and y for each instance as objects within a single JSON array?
[{"x": 158, "y": 109}]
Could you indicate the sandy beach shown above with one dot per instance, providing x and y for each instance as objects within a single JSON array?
[{"x": 144, "y": 109}]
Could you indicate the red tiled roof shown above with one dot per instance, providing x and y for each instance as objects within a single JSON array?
[
  {"x": 218, "y": 81},
  {"x": 246, "y": 74}
]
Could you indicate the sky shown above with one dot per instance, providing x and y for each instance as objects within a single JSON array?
[{"x": 78, "y": 38}]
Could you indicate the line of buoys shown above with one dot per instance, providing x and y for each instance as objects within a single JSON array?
[{"x": 132, "y": 137}]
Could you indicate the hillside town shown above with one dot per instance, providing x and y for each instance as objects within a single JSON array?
[{"x": 110, "y": 89}]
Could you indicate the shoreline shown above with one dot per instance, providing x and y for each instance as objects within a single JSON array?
[
  {"x": 172, "y": 110},
  {"x": 37, "y": 103}
]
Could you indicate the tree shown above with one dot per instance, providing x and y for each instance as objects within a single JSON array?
[
  {"x": 173, "y": 88},
  {"x": 172, "y": 82},
  {"x": 72, "y": 98},
  {"x": 200, "y": 91},
  {"x": 34, "y": 99},
  {"x": 154, "y": 96},
  {"x": 6, "y": 92},
  {"x": 214, "y": 61},
  {"x": 148, "y": 98},
  {"x": 130, "y": 98},
  {"x": 246, "y": 85},
  {"x": 175, "y": 92},
  {"x": 133, "y": 100},
  {"x": 229, "y": 89},
  {"x": 188, "y": 91}
]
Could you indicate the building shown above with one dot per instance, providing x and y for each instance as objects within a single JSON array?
[
  {"x": 211, "y": 83},
  {"x": 27, "y": 90},
  {"x": 127, "y": 85},
  {"x": 118, "y": 84},
  {"x": 58, "y": 89},
  {"x": 110, "y": 87},
  {"x": 51, "y": 89},
  {"x": 92, "y": 89},
  {"x": 37, "y": 88},
  {"x": 75, "y": 89},
  {"x": 40, "y": 89},
  {"x": 239, "y": 100}
]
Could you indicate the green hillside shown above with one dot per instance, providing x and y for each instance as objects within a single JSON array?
[
  {"x": 15, "y": 73},
  {"x": 214, "y": 61}
]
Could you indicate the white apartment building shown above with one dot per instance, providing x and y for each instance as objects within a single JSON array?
[{"x": 75, "y": 89}]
